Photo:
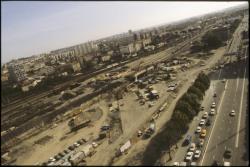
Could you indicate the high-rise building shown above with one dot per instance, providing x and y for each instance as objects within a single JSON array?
[{"x": 16, "y": 72}]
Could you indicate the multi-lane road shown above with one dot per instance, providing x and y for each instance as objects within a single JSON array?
[
  {"x": 225, "y": 132},
  {"x": 230, "y": 132}
]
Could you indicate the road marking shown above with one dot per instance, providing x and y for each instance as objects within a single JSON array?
[
  {"x": 219, "y": 74},
  {"x": 241, "y": 102},
  {"x": 213, "y": 126},
  {"x": 237, "y": 84}
]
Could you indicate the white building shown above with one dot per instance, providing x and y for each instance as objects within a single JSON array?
[
  {"x": 127, "y": 50},
  {"x": 16, "y": 72}
]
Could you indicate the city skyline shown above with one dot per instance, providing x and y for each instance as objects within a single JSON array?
[{"x": 24, "y": 32}]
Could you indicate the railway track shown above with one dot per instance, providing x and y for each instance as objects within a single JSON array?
[{"x": 32, "y": 99}]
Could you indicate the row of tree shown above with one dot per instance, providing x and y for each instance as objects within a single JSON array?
[
  {"x": 215, "y": 38},
  {"x": 186, "y": 108}
]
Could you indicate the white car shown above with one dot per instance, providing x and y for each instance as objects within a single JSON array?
[
  {"x": 176, "y": 164},
  {"x": 192, "y": 147},
  {"x": 213, "y": 105},
  {"x": 212, "y": 111},
  {"x": 193, "y": 164},
  {"x": 198, "y": 129},
  {"x": 76, "y": 144},
  {"x": 52, "y": 159},
  {"x": 232, "y": 113},
  {"x": 94, "y": 144},
  {"x": 205, "y": 115},
  {"x": 202, "y": 122},
  {"x": 183, "y": 164},
  {"x": 189, "y": 156},
  {"x": 197, "y": 154},
  {"x": 227, "y": 164}
]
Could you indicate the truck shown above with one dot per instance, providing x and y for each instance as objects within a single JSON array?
[
  {"x": 77, "y": 158},
  {"x": 149, "y": 131},
  {"x": 76, "y": 124},
  {"x": 153, "y": 94}
]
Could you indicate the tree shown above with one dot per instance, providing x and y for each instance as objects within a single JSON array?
[
  {"x": 180, "y": 117},
  {"x": 185, "y": 108},
  {"x": 200, "y": 86},
  {"x": 89, "y": 65},
  {"x": 196, "y": 91},
  {"x": 211, "y": 41},
  {"x": 193, "y": 100}
]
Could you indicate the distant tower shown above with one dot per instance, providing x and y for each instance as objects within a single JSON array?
[{"x": 130, "y": 32}]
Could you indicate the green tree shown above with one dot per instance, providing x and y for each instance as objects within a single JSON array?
[
  {"x": 196, "y": 91},
  {"x": 193, "y": 100},
  {"x": 200, "y": 86},
  {"x": 180, "y": 117},
  {"x": 211, "y": 41},
  {"x": 186, "y": 108}
]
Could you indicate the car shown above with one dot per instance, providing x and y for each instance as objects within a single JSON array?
[
  {"x": 151, "y": 104},
  {"x": 80, "y": 142},
  {"x": 215, "y": 95},
  {"x": 232, "y": 113},
  {"x": 52, "y": 159},
  {"x": 224, "y": 80},
  {"x": 205, "y": 115},
  {"x": 203, "y": 133},
  {"x": 84, "y": 140},
  {"x": 71, "y": 147},
  {"x": 192, "y": 147},
  {"x": 193, "y": 164},
  {"x": 216, "y": 163},
  {"x": 62, "y": 154},
  {"x": 201, "y": 142},
  {"x": 139, "y": 133},
  {"x": 189, "y": 156},
  {"x": 227, "y": 164},
  {"x": 228, "y": 153},
  {"x": 183, "y": 164},
  {"x": 76, "y": 144},
  {"x": 208, "y": 123},
  {"x": 66, "y": 151},
  {"x": 197, "y": 154},
  {"x": 94, "y": 144},
  {"x": 212, "y": 112},
  {"x": 57, "y": 157},
  {"x": 176, "y": 164},
  {"x": 198, "y": 129},
  {"x": 202, "y": 122},
  {"x": 213, "y": 105},
  {"x": 187, "y": 140},
  {"x": 202, "y": 108},
  {"x": 105, "y": 127}
]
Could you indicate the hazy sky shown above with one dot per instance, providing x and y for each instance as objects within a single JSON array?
[{"x": 30, "y": 28}]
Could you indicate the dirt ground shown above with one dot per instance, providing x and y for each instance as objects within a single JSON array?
[
  {"x": 37, "y": 153},
  {"x": 132, "y": 114},
  {"x": 135, "y": 153}
]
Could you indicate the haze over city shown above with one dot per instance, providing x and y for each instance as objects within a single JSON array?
[
  {"x": 30, "y": 28},
  {"x": 125, "y": 83}
]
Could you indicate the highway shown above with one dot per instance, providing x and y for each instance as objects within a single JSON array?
[
  {"x": 225, "y": 131},
  {"x": 231, "y": 132}
]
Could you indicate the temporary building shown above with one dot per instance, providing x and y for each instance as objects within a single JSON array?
[{"x": 126, "y": 146}]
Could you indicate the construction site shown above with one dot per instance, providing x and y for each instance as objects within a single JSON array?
[{"x": 107, "y": 118}]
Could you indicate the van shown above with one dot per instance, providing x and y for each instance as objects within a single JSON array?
[{"x": 187, "y": 140}]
